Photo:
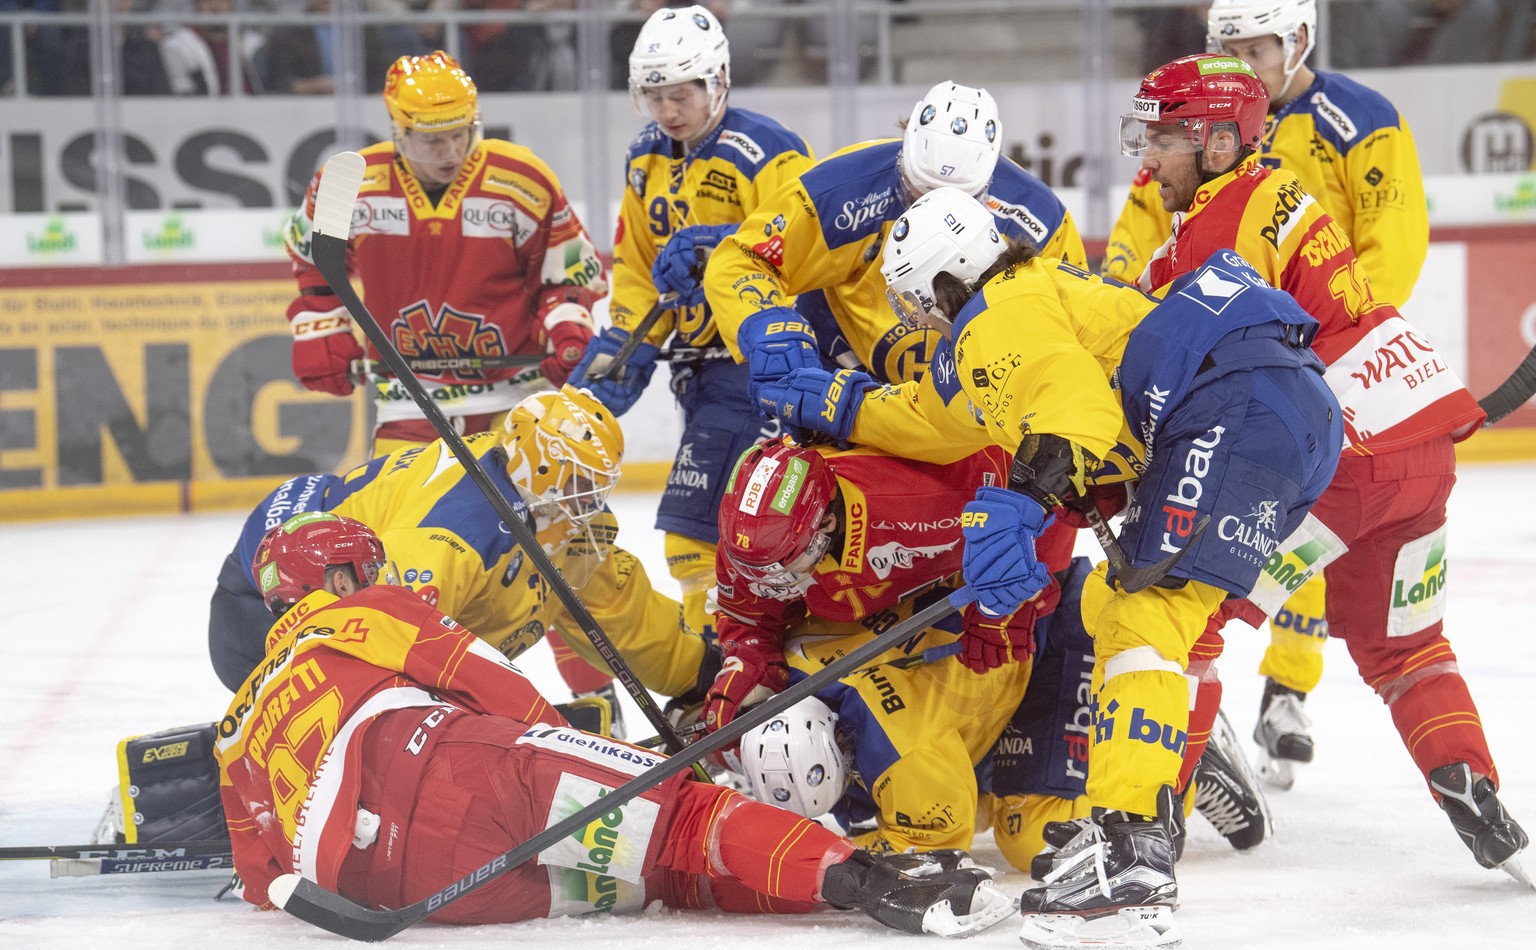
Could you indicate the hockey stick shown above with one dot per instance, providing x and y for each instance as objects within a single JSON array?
[
  {"x": 362, "y": 370},
  {"x": 1513, "y": 393},
  {"x": 1133, "y": 579},
  {"x": 309, "y": 901},
  {"x": 636, "y": 337},
  {"x": 156, "y": 851},
  {"x": 333, "y": 217},
  {"x": 91, "y": 867}
]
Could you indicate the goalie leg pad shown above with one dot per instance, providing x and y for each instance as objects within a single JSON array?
[{"x": 168, "y": 783}]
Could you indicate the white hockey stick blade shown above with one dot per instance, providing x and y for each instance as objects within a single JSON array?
[
  {"x": 1137, "y": 928},
  {"x": 988, "y": 906},
  {"x": 338, "y": 193},
  {"x": 281, "y": 889}
]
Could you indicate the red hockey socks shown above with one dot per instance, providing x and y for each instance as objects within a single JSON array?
[
  {"x": 775, "y": 853},
  {"x": 1202, "y": 715},
  {"x": 1434, "y": 712}
]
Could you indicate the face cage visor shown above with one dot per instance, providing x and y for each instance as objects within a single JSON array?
[
  {"x": 908, "y": 307},
  {"x": 1139, "y": 136},
  {"x": 785, "y": 581}
]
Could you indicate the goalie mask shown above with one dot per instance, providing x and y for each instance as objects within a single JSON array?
[
  {"x": 952, "y": 138},
  {"x": 679, "y": 45},
  {"x": 294, "y": 558},
  {"x": 793, "y": 760},
  {"x": 1230, "y": 20},
  {"x": 1179, "y": 104},
  {"x": 563, "y": 452},
  {"x": 945, "y": 231},
  {"x": 430, "y": 98},
  {"x": 771, "y": 517}
]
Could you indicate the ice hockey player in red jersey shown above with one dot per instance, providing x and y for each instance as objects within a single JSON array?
[
  {"x": 466, "y": 248},
  {"x": 1377, "y": 535},
  {"x": 820, "y": 549},
  {"x": 381, "y": 750}
]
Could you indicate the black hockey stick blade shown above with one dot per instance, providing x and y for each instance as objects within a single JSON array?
[
  {"x": 310, "y": 902},
  {"x": 333, "y": 220},
  {"x": 1513, "y": 393},
  {"x": 159, "y": 850},
  {"x": 1133, "y": 579},
  {"x": 636, "y": 337}
]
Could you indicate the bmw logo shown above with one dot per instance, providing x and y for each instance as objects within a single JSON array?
[
  {"x": 816, "y": 776},
  {"x": 990, "y": 131},
  {"x": 654, "y": 78},
  {"x": 958, "y": 126},
  {"x": 899, "y": 232},
  {"x": 927, "y": 115},
  {"x": 700, "y": 22}
]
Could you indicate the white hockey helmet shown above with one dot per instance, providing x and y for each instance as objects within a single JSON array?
[
  {"x": 681, "y": 44},
  {"x": 1229, "y": 20},
  {"x": 945, "y": 231},
  {"x": 793, "y": 760},
  {"x": 953, "y": 138}
]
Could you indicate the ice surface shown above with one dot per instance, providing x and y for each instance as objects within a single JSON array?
[{"x": 105, "y": 637}]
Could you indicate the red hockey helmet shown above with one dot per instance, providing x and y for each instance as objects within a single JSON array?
[
  {"x": 1195, "y": 93},
  {"x": 294, "y": 556},
  {"x": 771, "y": 514}
]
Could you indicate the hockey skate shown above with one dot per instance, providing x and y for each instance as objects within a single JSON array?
[
  {"x": 1058, "y": 833},
  {"x": 1479, "y": 817},
  {"x": 1227, "y": 792},
  {"x": 1110, "y": 886},
  {"x": 1283, "y": 734},
  {"x": 910, "y": 893}
]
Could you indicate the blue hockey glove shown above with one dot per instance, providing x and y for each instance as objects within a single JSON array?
[
  {"x": 816, "y": 401},
  {"x": 776, "y": 342},
  {"x": 617, "y": 394},
  {"x": 679, "y": 268},
  {"x": 999, "y": 562}
]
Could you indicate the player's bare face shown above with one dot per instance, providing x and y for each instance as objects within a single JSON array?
[
  {"x": 1265, "y": 55},
  {"x": 436, "y": 157},
  {"x": 681, "y": 109},
  {"x": 1170, "y": 158}
]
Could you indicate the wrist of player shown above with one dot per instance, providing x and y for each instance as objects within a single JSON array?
[{"x": 567, "y": 331}]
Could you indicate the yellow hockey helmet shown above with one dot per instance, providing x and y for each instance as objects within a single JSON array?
[
  {"x": 430, "y": 93},
  {"x": 563, "y": 453}
]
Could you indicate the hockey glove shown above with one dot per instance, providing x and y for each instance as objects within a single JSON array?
[
  {"x": 776, "y": 342},
  {"x": 810, "y": 401},
  {"x": 990, "y": 642},
  {"x": 679, "y": 268},
  {"x": 753, "y": 670},
  {"x": 567, "y": 331},
  {"x": 323, "y": 345},
  {"x": 620, "y": 393},
  {"x": 999, "y": 562}
]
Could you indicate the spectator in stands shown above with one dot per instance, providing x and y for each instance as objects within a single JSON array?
[
  {"x": 70, "y": 71},
  {"x": 301, "y": 57},
  {"x": 197, "y": 54},
  {"x": 525, "y": 55}
]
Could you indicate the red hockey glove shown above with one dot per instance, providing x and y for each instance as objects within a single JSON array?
[
  {"x": 990, "y": 642},
  {"x": 323, "y": 345},
  {"x": 1109, "y": 499},
  {"x": 753, "y": 671},
  {"x": 567, "y": 331}
]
